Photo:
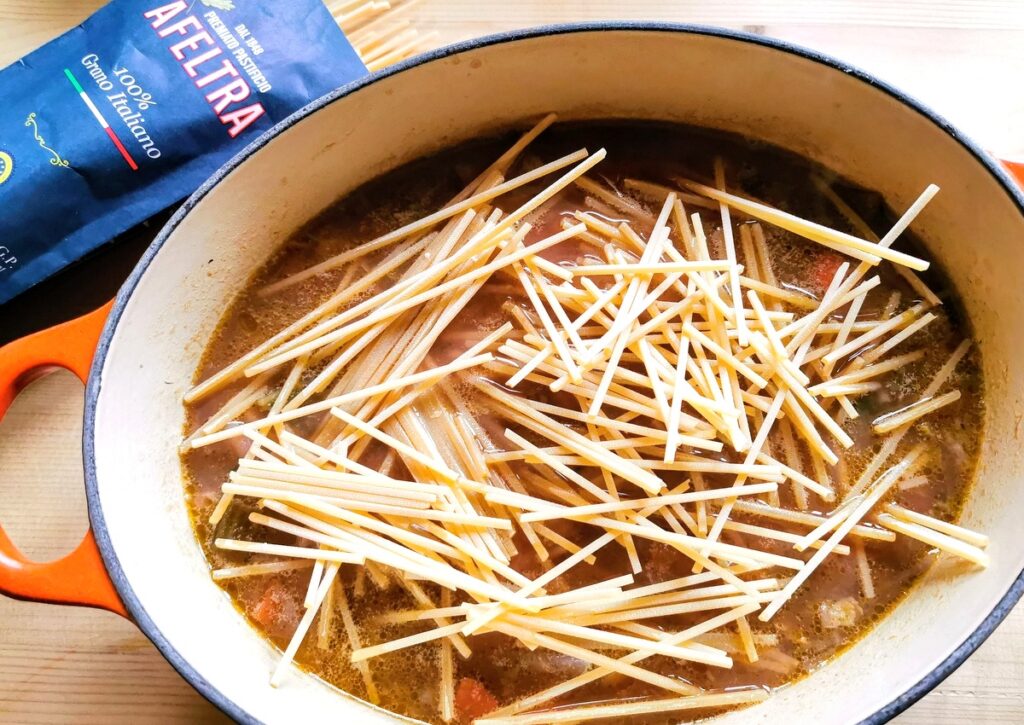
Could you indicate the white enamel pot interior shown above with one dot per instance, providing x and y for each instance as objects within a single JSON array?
[{"x": 813, "y": 106}]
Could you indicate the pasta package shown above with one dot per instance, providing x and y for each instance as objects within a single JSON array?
[{"x": 132, "y": 110}]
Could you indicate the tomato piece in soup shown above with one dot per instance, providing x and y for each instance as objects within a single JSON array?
[
  {"x": 824, "y": 269},
  {"x": 473, "y": 700}
]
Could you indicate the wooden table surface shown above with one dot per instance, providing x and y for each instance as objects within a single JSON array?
[{"x": 963, "y": 57}]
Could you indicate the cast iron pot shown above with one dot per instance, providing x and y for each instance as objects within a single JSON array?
[{"x": 141, "y": 558}]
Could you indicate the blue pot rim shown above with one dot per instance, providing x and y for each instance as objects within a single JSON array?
[{"x": 95, "y": 382}]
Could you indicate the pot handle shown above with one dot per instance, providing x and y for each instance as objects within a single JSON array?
[{"x": 80, "y": 577}]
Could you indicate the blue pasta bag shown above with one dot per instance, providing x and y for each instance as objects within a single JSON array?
[{"x": 131, "y": 111}]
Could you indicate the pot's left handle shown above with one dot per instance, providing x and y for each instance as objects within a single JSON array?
[{"x": 80, "y": 577}]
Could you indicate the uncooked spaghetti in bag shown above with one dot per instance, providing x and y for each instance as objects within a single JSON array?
[{"x": 132, "y": 110}]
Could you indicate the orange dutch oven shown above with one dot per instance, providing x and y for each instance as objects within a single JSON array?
[{"x": 137, "y": 354}]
